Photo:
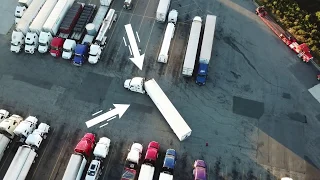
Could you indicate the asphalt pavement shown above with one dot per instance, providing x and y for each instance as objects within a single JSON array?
[{"x": 255, "y": 112}]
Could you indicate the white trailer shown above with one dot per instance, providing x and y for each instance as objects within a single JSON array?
[
  {"x": 192, "y": 47},
  {"x": 159, "y": 98},
  {"x": 26, "y": 127},
  {"x": 146, "y": 172},
  {"x": 100, "y": 152},
  {"x": 75, "y": 167},
  {"x": 162, "y": 10},
  {"x": 21, "y": 8},
  {"x": 26, "y": 154},
  {"x": 32, "y": 37},
  {"x": 168, "y": 36},
  {"x": 208, "y": 36},
  {"x": 165, "y": 176},
  {"x": 18, "y": 35},
  {"x": 6, "y": 131},
  {"x": 52, "y": 24},
  {"x": 100, "y": 40}
]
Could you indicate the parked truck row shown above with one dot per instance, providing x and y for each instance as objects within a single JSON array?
[{"x": 30, "y": 137}]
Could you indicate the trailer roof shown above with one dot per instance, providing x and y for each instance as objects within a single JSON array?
[
  {"x": 43, "y": 14},
  {"x": 208, "y": 36},
  {"x": 167, "y": 39},
  {"x": 70, "y": 16},
  {"x": 55, "y": 13},
  {"x": 163, "y": 5},
  {"x": 84, "y": 18}
]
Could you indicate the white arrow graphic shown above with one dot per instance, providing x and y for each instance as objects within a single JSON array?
[
  {"x": 119, "y": 109},
  {"x": 137, "y": 58}
]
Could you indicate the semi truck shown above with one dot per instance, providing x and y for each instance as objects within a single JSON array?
[
  {"x": 18, "y": 35},
  {"x": 162, "y": 10},
  {"x": 206, "y": 49},
  {"x": 78, "y": 159},
  {"x": 302, "y": 50},
  {"x": 94, "y": 26},
  {"x": 20, "y": 9},
  {"x": 26, "y": 154},
  {"x": 172, "y": 20},
  {"x": 32, "y": 37},
  {"x": 148, "y": 166},
  {"x": 159, "y": 98},
  {"x": 52, "y": 24},
  {"x": 26, "y": 127},
  {"x": 132, "y": 161},
  {"x": 3, "y": 114},
  {"x": 65, "y": 30},
  {"x": 168, "y": 165},
  {"x": 100, "y": 152},
  {"x": 7, "y": 127},
  {"x": 100, "y": 41},
  {"x": 192, "y": 47},
  {"x": 127, "y": 4}
]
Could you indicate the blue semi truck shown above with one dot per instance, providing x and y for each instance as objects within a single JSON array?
[
  {"x": 206, "y": 50},
  {"x": 168, "y": 165},
  {"x": 81, "y": 54}
]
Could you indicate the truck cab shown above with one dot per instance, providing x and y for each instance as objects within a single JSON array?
[
  {"x": 202, "y": 74},
  {"x": 261, "y": 11},
  {"x": 199, "y": 170},
  {"x": 3, "y": 114},
  {"x": 94, "y": 54},
  {"x": 81, "y": 54},
  {"x": 20, "y": 9},
  {"x": 169, "y": 161},
  {"x": 8, "y": 125},
  {"x": 94, "y": 170},
  {"x": 152, "y": 153},
  {"x": 127, "y": 4},
  {"x": 135, "y": 84},
  {"x": 68, "y": 48},
  {"x": 36, "y": 137},
  {"x": 44, "y": 41},
  {"x": 26, "y": 127},
  {"x": 17, "y": 41},
  {"x": 56, "y": 46},
  {"x": 31, "y": 42},
  {"x": 85, "y": 146}
]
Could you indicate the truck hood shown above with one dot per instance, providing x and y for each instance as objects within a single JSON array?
[
  {"x": 15, "y": 49},
  {"x": 66, "y": 55},
  {"x": 127, "y": 83},
  {"x": 29, "y": 49},
  {"x": 77, "y": 61},
  {"x": 93, "y": 59},
  {"x": 42, "y": 49}
]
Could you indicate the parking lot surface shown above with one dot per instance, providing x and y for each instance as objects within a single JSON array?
[{"x": 255, "y": 112}]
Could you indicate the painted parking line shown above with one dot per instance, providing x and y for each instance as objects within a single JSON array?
[{"x": 106, "y": 168}]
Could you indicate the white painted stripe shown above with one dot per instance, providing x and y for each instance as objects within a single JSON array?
[
  {"x": 124, "y": 40},
  {"x": 138, "y": 36},
  {"x": 111, "y": 118},
  {"x": 97, "y": 112},
  {"x": 101, "y": 118},
  {"x": 130, "y": 50},
  {"x": 104, "y": 125}
]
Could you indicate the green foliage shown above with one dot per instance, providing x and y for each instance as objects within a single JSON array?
[{"x": 303, "y": 25}]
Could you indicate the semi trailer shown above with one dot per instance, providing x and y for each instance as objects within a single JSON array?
[
  {"x": 159, "y": 98},
  {"x": 7, "y": 127},
  {"x": 192, "y": 47},
  {"x": 20, "y": 9},
  {"x": 26, "y": 154},
  {"x": 162, "y": 10},
  {"x": 32, "y": 37},
  {"x": 206, "y": 49},
  {"x": 22, "y": 27},
  {"x": 52, "y": 24},
  {"x": 168, "y": 36},
  {"x": 79, "y": 158},
  {"x": 3, "y": 114}
]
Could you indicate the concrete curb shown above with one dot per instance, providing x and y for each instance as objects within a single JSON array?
[{"x": 312, "y": 61}]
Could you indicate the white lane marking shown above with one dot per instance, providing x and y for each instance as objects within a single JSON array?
[
  {"x": 97, "y": 112},
  {"x": 103, "y": 125},
  {"x": 124, "y": 40},
  {"x": 130, "y": 50},
  {"x": 138, "y": 36}
]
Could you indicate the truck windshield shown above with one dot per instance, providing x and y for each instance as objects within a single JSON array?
[
  {"x": 66, "y": 50},
  {"x": 42, "y": 44},
  {"x": 54, "y": 48},
  {"x": 22, "y": 4},
  {"x": 14, "y": 44},
  {"x": 201, "y": 75},
  {"x": 93, "y": 54},
  {"x": 77, "y": 54}
]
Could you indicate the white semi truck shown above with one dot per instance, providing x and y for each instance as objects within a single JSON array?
[
  {"x": 169, "y": 112},
  {"x": 26, "y": 127},
  {"x": 52, "y": 24},
  {"x": 162, "y": 10},
  {"x": 6, "y": 131},
  {"x": 3, "y": 114},
  {"x": 100, "y": 41},
  {"x": 172, "y": 20},
  {"x": 20, "y": 9},
  {"x": 26, "y": 154},
  {"x": 32, "y": 37},
  {"x": 18, "y": 35},
  {"x": 100, "y": 152},
  {"x": 192, "y": 47}
]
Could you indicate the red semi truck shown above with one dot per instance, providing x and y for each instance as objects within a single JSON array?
[
  {"x": 148, "y": 166},
  {"x": 80, "y": 157},
  {"x": 302, "y": 50}
]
